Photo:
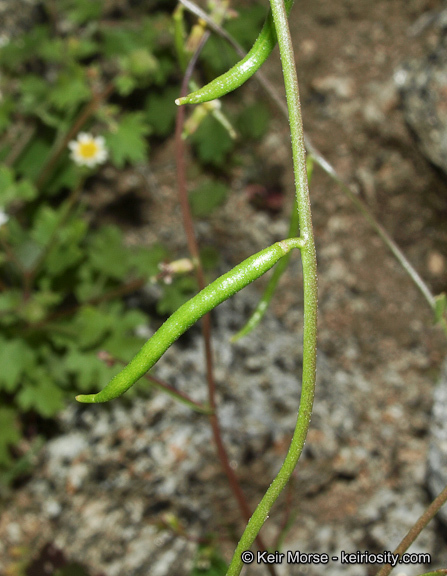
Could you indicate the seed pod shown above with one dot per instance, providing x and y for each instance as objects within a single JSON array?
[
  {"x": 183, "y": 318},
  {"x": 241, "y": 71}
]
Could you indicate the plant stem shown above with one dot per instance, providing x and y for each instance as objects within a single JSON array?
[
  {"x": 415, "y": 530},
  {"x": 309, "y": 265},
  {"x": 322, "y": 162},
  {"x": 161, "y": 385},
  {"x": 188, "y": 225}
]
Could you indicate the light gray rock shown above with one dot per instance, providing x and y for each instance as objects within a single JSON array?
[
  {"x": 423, "y": 87},
  {"x": 107, "y": 490}
]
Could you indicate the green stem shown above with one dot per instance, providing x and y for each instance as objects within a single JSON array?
[
  {"x": 309, "y": 264},
  {"x": 185, "y": 316},
  {"x": 327, "y": 166}
]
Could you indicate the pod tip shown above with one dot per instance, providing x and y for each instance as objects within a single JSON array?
[{"x": 86, "y": 398}]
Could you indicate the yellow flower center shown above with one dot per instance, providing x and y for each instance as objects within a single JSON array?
[{"x": 88, "y": 149}]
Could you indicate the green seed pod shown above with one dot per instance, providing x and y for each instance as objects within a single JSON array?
[
  {"x": 183, "y": 318},
  {"x": 241, "y": 71}
]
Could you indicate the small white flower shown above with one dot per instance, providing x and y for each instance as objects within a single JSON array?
[{"x": 88, "y": 150}]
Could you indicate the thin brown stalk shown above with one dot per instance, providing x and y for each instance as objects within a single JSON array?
[
  {"x": 206, "y": 320},
  {"x": 416, "y": 529}
]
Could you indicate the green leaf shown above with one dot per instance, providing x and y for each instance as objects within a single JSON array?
[
  {"x": 108, "y": 254},
  {"x": 66, "y": 251},
  {"x": 80, "y": 48},
  {"x": 34, "y": 90},
  {"x": 245, "y": 28},
  {"x": 124, "y": 343},
  {"x": 14, "y": 54},
  {"x": 52, "y": 50},
  {"x": 217, "y": 57},
  {"x": 212, "y": 142},
  {"x": 70, "y": 89},
  {"x": 146, "y": 260},
  {"x": 161, "y": 110},
  {"x": 11, "y": 189},
  {"x": 125, "y": 84},
  {"x": 36, "y": 308},
  {"x": 32, "y": 159},
  {"x": 139, "y": 63},
  {"x": 6, "y": 109},
  {"x": 82, "y": 11},
  {"x": 10, "y": 301},
  {"x": 209, "y": 257},
  {"x": 89, "y": 285},
  {"x": 118, "y": 41},
  {"x": 208, "y": 562},
  {"x": 176, "y": 294},
  {"x": 127, "y": 143},
  {"x": 92, "y": 325},
  {"x": 25, "y": 190},
  {"x": 44, "y": 225},
  {"x": 207, "y": 197},
  {"x": 41, "y": 395},
  {"x": 253, "y": 120},
  {"x": 9, "y": 433},
  {"x": 16, "y": 358},
  {"x": 61, "y": 259},
  {"x": 164, "y": 69},
  {"x": 66, "y": 175},
  {"x": 88, "y": 370},
  {"x": 27, "y": 254}
]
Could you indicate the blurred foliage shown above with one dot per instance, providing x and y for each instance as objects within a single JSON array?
[
  {"x": 82, "y": 66},
  {"x": 61, "y": 279},
  {"x": 206, "y": 197},
  {"x": 208, "y": 562}
]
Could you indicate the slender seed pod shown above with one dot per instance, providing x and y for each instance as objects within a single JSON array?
[
  {"x": 241, "y": 71},
  {"x": 207, "y": 299}
]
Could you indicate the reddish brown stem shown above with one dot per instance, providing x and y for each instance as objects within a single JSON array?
[
  {"x": 415, "y": 530},
  {"x": 206, "y": 320}
]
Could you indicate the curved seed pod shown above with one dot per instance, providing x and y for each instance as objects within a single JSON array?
[
  {"x": 188, "y": 314},
  {"x": 241, "y": 71}
]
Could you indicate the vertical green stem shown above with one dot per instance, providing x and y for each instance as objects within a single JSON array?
[{"x": 309, "y": 263}]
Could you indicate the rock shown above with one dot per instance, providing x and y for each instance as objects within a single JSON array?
[
  {"x": 125, "y": 480},
  {"x": 341, "y": 87},
  {"x": 16, "y": 17},
  {"x": 423, "y": 87}
]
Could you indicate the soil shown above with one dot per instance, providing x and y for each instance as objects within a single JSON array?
[{"x": 373, "y": 322}]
